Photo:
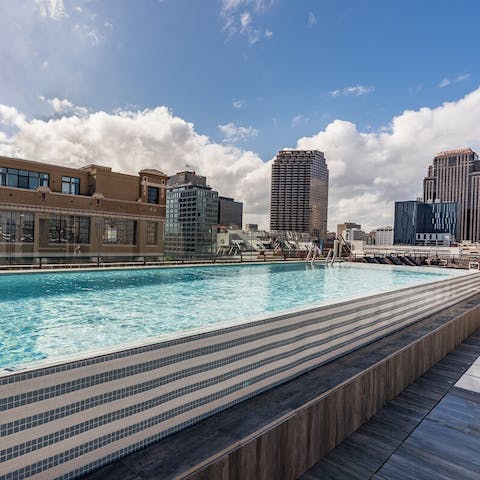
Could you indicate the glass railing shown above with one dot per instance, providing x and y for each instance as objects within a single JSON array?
[{"x": 24, "y": 260}]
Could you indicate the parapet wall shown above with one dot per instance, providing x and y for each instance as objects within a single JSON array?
[{"x": 64, "y": 420}]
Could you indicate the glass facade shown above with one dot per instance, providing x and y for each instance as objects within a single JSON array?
[
  {"x": 192, "y": 215},
  {"x": 69, "y": 229},
  {"x": 12, "y": 177},
  {"x": 120, "y": 231},
  {"x": 230, "y": 212},
  {"x": 413, "y": 217},
  {"x": 71, "y": 185}
]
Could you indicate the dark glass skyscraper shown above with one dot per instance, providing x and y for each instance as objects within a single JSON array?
[
  {"x": 192, "y": 215},
  {"x": 299, "y": 197},
  {"x": 413, "y": 217},
  {"x": 230, "y": 212}
]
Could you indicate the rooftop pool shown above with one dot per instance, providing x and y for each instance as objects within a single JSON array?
[{"x": 53, "y": 315}]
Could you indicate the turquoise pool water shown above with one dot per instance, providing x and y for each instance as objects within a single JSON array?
[{"x": 50, "y": 315}]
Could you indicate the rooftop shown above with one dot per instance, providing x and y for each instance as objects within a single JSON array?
[{"x": 458, "y": 151}]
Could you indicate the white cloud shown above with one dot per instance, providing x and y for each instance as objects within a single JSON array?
[
  {"x": 312, "y": 19},
  {"x": 235, "y": 133},
  {"x": 11, "y": 117},
  {"x": 64, "y": 107},
  {"x": 354, "y": 91},
  {"x": 128, "y": 141},
  {"x": 451, "y": 81},
  {"x": 369, "y": 171},
  {"x": 298, "y": 120},
  {"x": 238, "y": 18},
  {"x": 89, "y": 33},
  {"x": 238, "y": 104},
  {"x": 53, "y": 9}
]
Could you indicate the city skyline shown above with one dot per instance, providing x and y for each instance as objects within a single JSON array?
[{"x": 226, "y": 85}]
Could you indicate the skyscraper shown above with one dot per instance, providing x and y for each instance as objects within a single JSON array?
[
  {"x": 192, "y": 215},
  {"x": 299, "y": 198},
  {"x": 455, "y": 177},
  {"x": 230, "y": 212}
]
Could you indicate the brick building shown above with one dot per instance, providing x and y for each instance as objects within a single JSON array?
[{"x": 48, "y": 210}]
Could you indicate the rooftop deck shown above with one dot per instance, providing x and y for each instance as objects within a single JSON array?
[{"x": 431, "y": 430}]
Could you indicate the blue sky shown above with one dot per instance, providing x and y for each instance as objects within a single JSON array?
[{"x": 252, "y": 75}]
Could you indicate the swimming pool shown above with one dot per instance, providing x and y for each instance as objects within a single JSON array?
[
  {"x": 147, "y": 353},
  {"x": 51, "y": 315}
]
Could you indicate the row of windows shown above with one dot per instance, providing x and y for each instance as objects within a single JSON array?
[
  {"x": 18, "y": 227},
  {"x": 12, "y": 177}
]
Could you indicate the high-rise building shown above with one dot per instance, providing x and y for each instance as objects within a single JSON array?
[
  {"x": 454, "y": 176},
  {"x": 192, "y": 216},
  {"x": 414, "y": 218},
  {"x": 230, "y": 213},
  {"x": 299, "y": 197}
]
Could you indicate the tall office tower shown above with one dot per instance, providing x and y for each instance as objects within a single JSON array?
[
  {"x": 299, "y": 198},
  {"x": 455, "y": 177},
  {"x": 192, "y": 215},
  {"x": 230, "y": 213}
]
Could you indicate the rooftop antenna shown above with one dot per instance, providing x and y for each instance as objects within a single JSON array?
[{"x": 189, "y": 167}]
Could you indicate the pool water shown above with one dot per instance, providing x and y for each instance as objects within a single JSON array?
[{"x": 50, "y": 315}]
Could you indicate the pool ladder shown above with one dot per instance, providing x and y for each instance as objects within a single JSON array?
[{"x": 330, "y": 257}]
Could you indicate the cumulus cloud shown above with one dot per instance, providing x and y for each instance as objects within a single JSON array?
[
  {"x": 451, "y": 81},
  {"x": 354, "y": 91},
  {"x": 64, "y": 107},
  {"x": 369, "y": 171},
  {"x": 235, "y": 133},
  {"x": 238, "y": 18},
  {"x": 129, "y": 141}
]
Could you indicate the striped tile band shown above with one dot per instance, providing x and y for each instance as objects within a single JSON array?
[{"x": 64, "y": 420}]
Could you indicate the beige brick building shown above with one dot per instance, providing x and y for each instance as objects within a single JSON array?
[{"x": 48, "y": 210}]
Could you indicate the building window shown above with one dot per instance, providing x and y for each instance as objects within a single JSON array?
[
  {"x": 153, "y": 195},
  {"x": 119, "y": 230},
  {"x": 71, "y": 185},
  {"x": 16, "y": 227},
  {"x": 69, "y": 229},
  {"x": 12, "y": 177},
  {"x": 152, "y": 233}
]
